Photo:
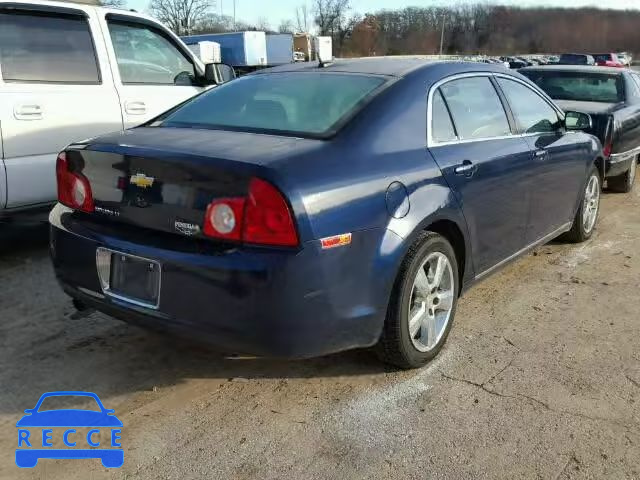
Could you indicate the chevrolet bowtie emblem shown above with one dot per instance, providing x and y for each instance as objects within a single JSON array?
[{"x": 141, "y": 180}]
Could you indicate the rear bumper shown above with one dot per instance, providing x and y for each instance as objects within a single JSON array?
[
  {"x": 256, "y": 301},
  {"x": 618, "y": 164}
]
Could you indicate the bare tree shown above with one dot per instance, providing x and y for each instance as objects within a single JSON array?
[
  {"x": 329, "y": 15},
  {"x": 263, "y": 25},
  {"x": 181, "y": 16},
  {"x": 213, "y": 23},
  {"x": 302, "y": 18},
  {"x": 286, "y": 26}
]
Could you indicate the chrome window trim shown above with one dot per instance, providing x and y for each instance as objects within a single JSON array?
[
  {"x": 431, "y": 143},
  {"x": 535, "y": 89}
]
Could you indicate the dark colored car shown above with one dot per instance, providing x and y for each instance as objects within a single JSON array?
[
  {"x": 576, "y": 59},
  {"x": 515, "y": 63},
  {"x": 612, "y": 97},
  {"x": 607, "y": 60},
  {"x": 304, "y": 210}
]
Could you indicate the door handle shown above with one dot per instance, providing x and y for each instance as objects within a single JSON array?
[
  {"x": 467, "y": 169},
  {"x": 30, "y": 111},
  {"x": 135, "y": 108}
]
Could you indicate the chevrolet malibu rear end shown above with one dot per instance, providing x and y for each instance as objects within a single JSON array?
[
  {"x": 205, "y": 231},
  {"x": 306, "y": 210}
]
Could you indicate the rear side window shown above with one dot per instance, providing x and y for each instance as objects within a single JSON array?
[
  {"x": 303, "y": 103},
  {"x": 573, "y": 59},
  {"x": 603, "y": 57},
  {"x": 476, "y": 108},
  {"x": 47, "y": 48},
  {"x": 442, "y": 129},
  {"x": 533, "y": 114}
]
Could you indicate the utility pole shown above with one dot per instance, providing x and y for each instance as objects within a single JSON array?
[
  {"x": 234, "y": 15},
  {"x": 442, "y": 34}
]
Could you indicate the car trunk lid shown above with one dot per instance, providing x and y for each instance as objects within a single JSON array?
[{"x": 163, "y": 179}]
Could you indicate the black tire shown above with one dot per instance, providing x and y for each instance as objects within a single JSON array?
[
  {"x": 579, "y": 233},
  {"x": 395, "y": 345},
  {"x": 624, "y": 183}
]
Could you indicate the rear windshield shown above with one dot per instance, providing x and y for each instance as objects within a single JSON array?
[
  {"x": 313, "y": 104},
  {"x": 603, "y": 57},
  {"x": 579, "y": 86},
  {"x": 574, "y": 59}
]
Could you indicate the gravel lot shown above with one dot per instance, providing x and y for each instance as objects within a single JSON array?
[{"x": 540, "y": 379}]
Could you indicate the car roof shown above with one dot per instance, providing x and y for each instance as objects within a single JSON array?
[
  {"x": 574, "y": 68},
  {"x": 399, "y": 66}
]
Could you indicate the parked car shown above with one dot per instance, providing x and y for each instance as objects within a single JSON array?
[
  {"x": 576, "y": 59},
  {"x": 608, "y": 60},
  {"x": 71, "y": 71},
  {"x": 612, "y": 97},
  {"x": 296, "y": 211},
  {"x": 625, "y": 59}
]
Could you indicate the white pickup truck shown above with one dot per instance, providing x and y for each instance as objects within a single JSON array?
[{"x": 71, "y": 71}]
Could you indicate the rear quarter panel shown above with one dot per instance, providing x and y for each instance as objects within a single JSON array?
[
  {"x": 627, "y": 121},
  {"x": 344, "y": 188}
]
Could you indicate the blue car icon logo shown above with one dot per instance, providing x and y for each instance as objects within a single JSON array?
[{"x": 38, "y": 430}]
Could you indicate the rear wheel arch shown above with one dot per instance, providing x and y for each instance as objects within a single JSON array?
[
  {"x": 451, "y": 231},
  {"x": 599, "y": 163}
]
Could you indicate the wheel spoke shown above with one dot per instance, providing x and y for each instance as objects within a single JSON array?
[
  {"x": 428, "y": 331},
  {"x": 445, "y": 301},
  {"x": 422, "y": 283},
  {"x": 416, "y": 318},
  {"x": 438, "y": 273}
]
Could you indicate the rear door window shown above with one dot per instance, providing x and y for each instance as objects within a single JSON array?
[
  {"x": 533, "y": 114},
  {"x": 442, "y": 129},
  {"x": 47, "y": 48},
  {"x": 476, "y": 108}
]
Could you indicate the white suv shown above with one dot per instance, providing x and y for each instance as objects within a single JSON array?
[{"x": 69, "y": 72}]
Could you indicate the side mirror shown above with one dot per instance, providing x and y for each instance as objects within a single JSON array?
[
  {"x": 578, "y": 121},
  {"x": 218, "y": 73}
]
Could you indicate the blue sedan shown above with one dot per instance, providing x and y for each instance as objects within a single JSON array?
[{"x": 305, "y": 210}]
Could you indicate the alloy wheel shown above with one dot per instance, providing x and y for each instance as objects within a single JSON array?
[
  {"x": 591, "y": 204},
  {"x": 432, "y": 299}
]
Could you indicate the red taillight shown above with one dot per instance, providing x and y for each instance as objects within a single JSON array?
[
  {"x": 224, "y": 218},
  {"x": 607, "y": 148},
  {"x": 74, "y": 189},
  {"x": 262, "y": 218},
  {"x": 268, "y": 219}
]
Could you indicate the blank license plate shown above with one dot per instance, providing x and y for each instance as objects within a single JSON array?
[{"x": 135, "y": 278}]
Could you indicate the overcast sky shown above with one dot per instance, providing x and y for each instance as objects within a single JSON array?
[{"x": 276, "y": 10}]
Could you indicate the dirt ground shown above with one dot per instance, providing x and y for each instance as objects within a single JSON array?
[{"x": 540, "y": 379}]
